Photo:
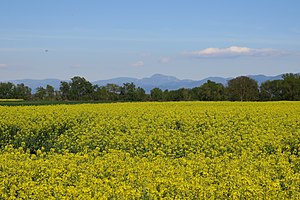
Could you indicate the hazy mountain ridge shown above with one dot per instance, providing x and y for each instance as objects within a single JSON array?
[{"x": 148, "y": 83}]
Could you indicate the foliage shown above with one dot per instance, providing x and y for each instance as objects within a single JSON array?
[
  {"x": 243, "y": 88},
  {"x": 11, "y": 91},
  {"x": 181, "y": 150},
  {"x": 156, "y": 94},
  {"x": 271, "y": 90},
  {"x": 209, "y": 91},
  {"x": 291, "y": 86},
  {"x": 238, "y": 89},
  {"x": 47, "y": 93},
  {"x": 129, "y": 92},
  {"x": 80, "y": 89}
]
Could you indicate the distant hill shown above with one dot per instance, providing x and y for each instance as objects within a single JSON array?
[
  {"x": 172, "y": 83},
  {"x": 157, "y": 80},
  {"x": 262, "y": 78}
]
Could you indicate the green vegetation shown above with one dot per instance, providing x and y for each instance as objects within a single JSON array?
[
  {"x": 238, "y": 89},
  {"x": 11, "y": 100},
  {"x": 45, "y": 102}
]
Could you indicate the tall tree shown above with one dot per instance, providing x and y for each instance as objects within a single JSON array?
[
  {"x": 291, "y": 86},
  {"x": 141, "y": 94},
  {"x": 113, "y": 91},
  {"x": 195, "y": 93},
  {"x": 156, "y": 94},
  {"x": 212, "y": 91},
  {"x": 271, "y": 90},
  {"x": 50, "y": 92},
  {"x": 7, "y": 90},
  {"x": 22, "y": 92},
  {"x": 128, "y": 92},
  {"x": 80, "y": 89},
  {"x": 101, "y": 93},
  {"x": 64, "y": 90},
  {"x": 40, "y": 93},
  {"x": 166, "y": 95},
  {"x": 181, "y": 94},
  {"x": 242, "y": 88},
  {"x": 11, "y": 91}
]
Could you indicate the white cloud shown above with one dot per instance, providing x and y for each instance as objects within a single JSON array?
[
  {"x": 3, "y": 65},
  {"x": 234, "y": 51},
  {"x": 139, "y": 63},
  {"x": 164, "y": 60}
]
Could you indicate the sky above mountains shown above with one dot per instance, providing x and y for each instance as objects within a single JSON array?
[{"x": 190, "y": 39}]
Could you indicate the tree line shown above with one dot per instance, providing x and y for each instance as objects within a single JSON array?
[{"x": 241, "y": 88}]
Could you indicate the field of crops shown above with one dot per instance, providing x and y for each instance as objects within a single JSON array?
[
  {"x": 183, "y": 150},
  {"x": 11, "y": 100}
]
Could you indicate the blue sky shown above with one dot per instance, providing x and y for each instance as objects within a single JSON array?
[{"x": 187, "y": 39}]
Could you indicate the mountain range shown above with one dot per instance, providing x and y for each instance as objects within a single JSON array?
[{"x": 157, "y": 80}]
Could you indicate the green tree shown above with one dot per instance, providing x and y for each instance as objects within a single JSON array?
[
  {"x": 11, "y": 91},
  {"x": 196, "y": 93},
  {"x": 166, "y": 95},
  {"x": 271, "y": 90},
  {"x": 113, "y": 91},
  {"x": 78, "y": 89},
  {"x": 181, "y": 94},
  {"x": 242, "y": 88},
  {"x": 7, "y": 90},
  {"x": 40, "y": 93},
  {"x": 64, "y": 90},
  {"x": 184, "y": 94},
  {"x": 101, "y": 93},
  {"x": 128, "y": 92},
  {"x": 141, "y": 94},
  {"x": 22, "y": 91},
  {"x": 50, "y": 92},
  {"x": 211, "y": 91},
  {"x": 156, "y": 94},
  {"x": 291, "y": 86}
]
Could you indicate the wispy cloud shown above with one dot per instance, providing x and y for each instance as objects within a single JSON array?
[
  {"x": 234, "y": 51},
  {"x": 139, "y": 63},
  {"x": 3, "y": 65},
  {"x": 164, "y": 60}
]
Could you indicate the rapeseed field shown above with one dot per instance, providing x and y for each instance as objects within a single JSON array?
[{"x": 159, "y": 150}]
